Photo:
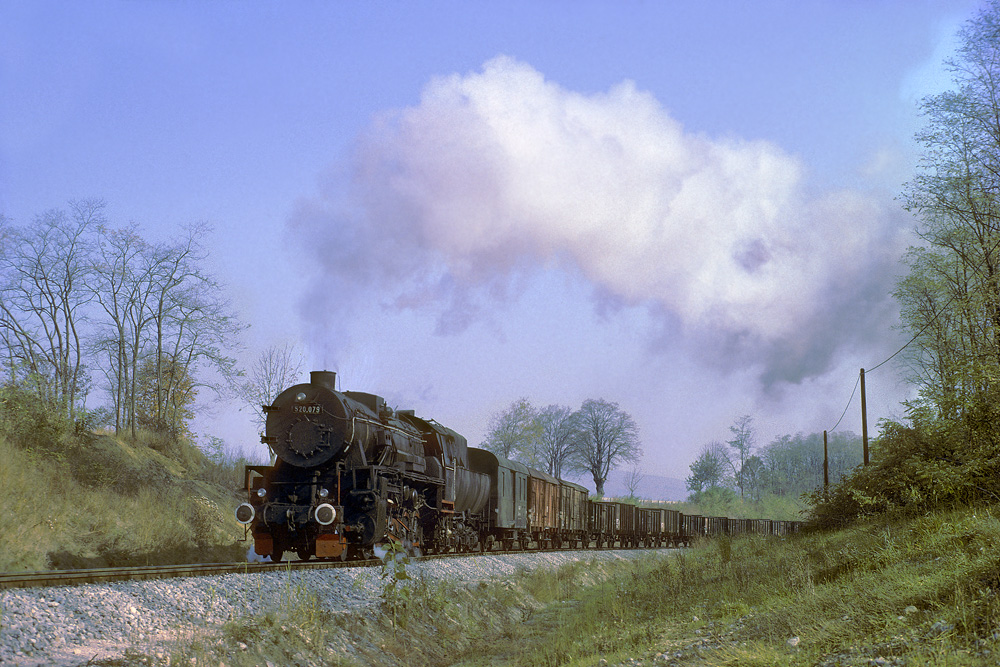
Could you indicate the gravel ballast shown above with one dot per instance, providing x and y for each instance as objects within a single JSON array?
[{"x": 71, "y": 625}]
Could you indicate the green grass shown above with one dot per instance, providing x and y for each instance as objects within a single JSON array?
[{"x": 920, "y": 591}]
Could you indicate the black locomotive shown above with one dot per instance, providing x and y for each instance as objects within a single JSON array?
[{"x": 352, "y": 473}]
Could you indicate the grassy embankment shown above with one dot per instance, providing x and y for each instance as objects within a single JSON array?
[
  {"x": 87, "y": 500},
  {"x": 921, "y": 590},
  {"x": 784, "y": 508}
]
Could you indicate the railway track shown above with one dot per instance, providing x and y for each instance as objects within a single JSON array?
[{"x": 11, "y": 580}]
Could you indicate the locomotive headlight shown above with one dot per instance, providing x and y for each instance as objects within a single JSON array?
[
  {"x": 245, "y": 513},
  {"x": 301, "y": 396},
  {"x": 261, "y": 493},
  {"x": 323, "y": 493},
  {"x": 325, "y": 514}
]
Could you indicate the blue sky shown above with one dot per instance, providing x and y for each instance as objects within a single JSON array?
[{"x": 685, "y": 208}]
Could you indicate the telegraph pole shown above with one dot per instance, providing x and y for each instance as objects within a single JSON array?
[
  {"x": 864, "y": 416},
  {"x": 826, "y": 466}
]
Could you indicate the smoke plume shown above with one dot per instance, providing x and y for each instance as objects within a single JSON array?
[{"x": 497, "y": 174}]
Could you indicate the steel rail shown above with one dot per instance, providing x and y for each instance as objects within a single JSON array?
[{"x": 9, "y": 580}]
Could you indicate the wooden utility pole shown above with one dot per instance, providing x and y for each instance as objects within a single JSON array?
[
  {"x": 826, "y": 466},
  {"x": 864, "y": 416}
]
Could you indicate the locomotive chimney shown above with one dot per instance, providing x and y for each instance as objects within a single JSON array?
[{"x": 326, "y": 379}]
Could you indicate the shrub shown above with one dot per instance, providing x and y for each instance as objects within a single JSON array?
[
  {"x": 915, "y": 469},
  {"x": 32, "y": 423}
]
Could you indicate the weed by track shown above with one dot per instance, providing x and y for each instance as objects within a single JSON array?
[{"x": 918, "y": 591}]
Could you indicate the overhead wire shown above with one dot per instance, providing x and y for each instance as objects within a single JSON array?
[
  {"x": 848, "y": 404},
  {"x": 886, "y": 360}
]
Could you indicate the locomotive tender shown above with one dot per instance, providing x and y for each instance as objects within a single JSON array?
[{"x": 351, "y": 473}]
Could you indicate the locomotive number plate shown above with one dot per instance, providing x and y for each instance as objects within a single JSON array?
[{"x": 311, "y": 409}]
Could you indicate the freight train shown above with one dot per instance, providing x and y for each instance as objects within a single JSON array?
[{"x": 351, "y": 473}]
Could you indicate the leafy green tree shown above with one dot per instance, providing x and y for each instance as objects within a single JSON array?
[
  {"x": 715, "y": 501},
  {"x": 709, "y": 470},
  {"x": 915, "y": 469},
  {"x": 752, "y": 473},
  {"x": 514, "y": 433},
  {"x": 743, "y": 441},
  {"x": 950, "y": 297},
  {"x": 793, "y": 465}
]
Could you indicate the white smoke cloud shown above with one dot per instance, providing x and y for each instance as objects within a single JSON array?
[{"x": 498, "y": 172}]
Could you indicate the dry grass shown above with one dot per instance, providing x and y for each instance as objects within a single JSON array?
[{"x": 107, "y": 502}]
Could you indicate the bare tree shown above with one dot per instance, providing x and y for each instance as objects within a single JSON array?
[
  {"x": 274, "y": 370},
  {"x": 43, "y": 294},
  {"x": 557, "y": 436},
  {"x": 633, "y": 478},
  {"x": 607, "y": 436},
  {"x": 514, "y": 432},
  {"x": 77, "y": 293},
  {"x": 190, "y": 320},
  {"x": 159, "y": 304},
  {"x": 123, "y": 274},
  {"x": 199, "y": 330}
]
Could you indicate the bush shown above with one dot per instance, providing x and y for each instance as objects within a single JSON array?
[
  {"x": 915, "y": 469},
  {"x": 32, "y": 423}
]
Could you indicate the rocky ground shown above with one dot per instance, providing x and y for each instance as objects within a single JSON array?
[{"x": 73, "y": 626}]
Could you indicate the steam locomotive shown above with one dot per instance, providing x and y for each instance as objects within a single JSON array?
[{"x": 351, "y": 474}]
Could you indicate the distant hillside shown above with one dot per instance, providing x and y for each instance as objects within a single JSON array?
[{"x": 651, "y": 487}]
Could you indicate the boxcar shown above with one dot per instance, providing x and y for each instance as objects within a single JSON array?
[
  {"x": 650, "y": 526},
  {"x": 691, "y": 527},
  {"x": 628, "y": 524},
  {"x": 507, "y": 509},
  {"x": 572, "y": 514},
  {"x": 614, "y": 523},
  {"x": 543, "y": 506},
  {"x": 672, "y": 531},
  {"x": 658, "y": 527},
  {"x": 600, "y": 522}
]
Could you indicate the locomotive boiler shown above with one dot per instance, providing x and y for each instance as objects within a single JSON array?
[{"x": 351, "y": 473}]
